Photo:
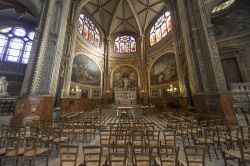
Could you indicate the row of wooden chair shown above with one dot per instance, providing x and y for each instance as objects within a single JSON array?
[{"x": 119, "y": 155}]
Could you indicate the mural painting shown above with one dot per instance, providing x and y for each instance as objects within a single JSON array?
[
  {"x": 163, "y": 70},
  {"x": 125, "y": 77},
  {"x": 85, "y": 71}
]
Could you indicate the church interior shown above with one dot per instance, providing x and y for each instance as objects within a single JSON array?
[{"x": 124, "y": 82}]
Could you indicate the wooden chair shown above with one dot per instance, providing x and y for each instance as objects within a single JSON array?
[
  {"x": 152, "y": 140},
  {"x": 233, "y": 136},
  {"x": 68, "y": 155},
  {"x": 93, "y": 156},
  {"x": 12, "y": 149},
  {"x": 245, "y": 152},
  {"x": 105, "y": 138},
  {"x": 183, "y": 131},
  {"x": 118, "y": 155},
  {"x": 34, "y": 149},
  {"x": 121, "y": 137},
  {"x": 142, "y": 155},
  {"x": 89, "y": 130},
  {"x": 168, "y": 155},
  {"x": 59, "y": 139},
  {"x": 138, "y": 138},
  {"x": 169, "y": 137},
  {"x": 208, "y": 140},
  {"x": 149, "y": 126},
  {"x": 194, "y": 155}
]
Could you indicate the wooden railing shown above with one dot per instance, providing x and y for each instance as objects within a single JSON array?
[
  {"x": 240, "y": 92},
  {"x": 241, "y": 101}
]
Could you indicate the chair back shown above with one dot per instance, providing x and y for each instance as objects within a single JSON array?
[
  {"x": 168, "y": 155},
  {"x": 117, "y": 155},
  {"x": 142, "y": 155},
  {"x": 195, "y": 155},
  {"x": 169, "y": 137},
  {"x": 68, "y": 155},
  {"x": 92, "y": 155}
]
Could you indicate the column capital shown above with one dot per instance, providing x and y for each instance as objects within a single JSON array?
[{"x": 142, "y": 37}]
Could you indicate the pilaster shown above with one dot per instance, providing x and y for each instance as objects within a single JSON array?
[{"x": 144, "y": 80}]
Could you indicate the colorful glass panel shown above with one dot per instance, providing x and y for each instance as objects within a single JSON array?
[
  {"x": 3, "y": 43},
  {"x": 15, "y": 49},
  {"x": 160, "y": 29},
  {"x": 89, "y": 31},
  {"x": 125, "y": 44},
  {"x": 26, "y": 53},
  {"x": 15, "y": 44}
]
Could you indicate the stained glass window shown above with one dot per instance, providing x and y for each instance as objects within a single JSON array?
[
  {"x": 223, "y": 6},
  {"x": 15, "y": 44},
  {"x": 88, "y": 30},
  {"x": 125, "y": 44},
  {"x": 161, "y": 28}
]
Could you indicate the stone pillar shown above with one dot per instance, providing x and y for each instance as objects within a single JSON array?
[
  {"x": 179, "y": 50},
  {"x": 144, "y": 78},
  {"x": 45, "y": 61},
  {"x": 205, "y": 71},
  {"x": 50, "y": 51},
  {"x": 26, "y": 87},
  {"x": 106, "y": 74},
  {"x": 70, "y": 44}
]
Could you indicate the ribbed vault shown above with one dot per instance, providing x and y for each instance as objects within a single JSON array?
[{"x": 119, "y": 16}]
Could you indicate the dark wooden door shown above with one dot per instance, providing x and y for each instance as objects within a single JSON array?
[{"x": 231, "y": 71}]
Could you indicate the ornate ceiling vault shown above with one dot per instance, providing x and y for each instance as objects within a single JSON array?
[
  {"x": 33, "y": 7},
  {"x": 119, "y": 16}
]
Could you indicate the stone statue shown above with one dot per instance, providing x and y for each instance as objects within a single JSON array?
[{"x": 3, "y": 87}]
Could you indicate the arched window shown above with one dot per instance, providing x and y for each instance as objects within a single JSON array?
[
  {"x": 125, "y": 44},
  {"x": 15, "y": 44},
  {"x": 160, "y": 28},
  {"x": 88, "y": 30},
  {"x": 223, "y": 6}
]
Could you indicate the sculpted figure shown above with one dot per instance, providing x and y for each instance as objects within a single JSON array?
[{"x": 3, "y": 86}]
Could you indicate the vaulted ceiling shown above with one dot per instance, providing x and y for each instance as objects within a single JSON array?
[
  {"x": 25, "y": 10},
  {"x": 118, "y": 16}
]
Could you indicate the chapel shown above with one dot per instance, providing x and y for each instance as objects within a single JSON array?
[{"x": 124, "y": 82}]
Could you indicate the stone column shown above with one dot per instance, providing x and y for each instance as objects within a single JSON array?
[
  {"x": 144, "y": 78},
  {"x": 26, "y": 87},
  {"x": 106, "y": 74},
  {"x": 49, "y": 54},
  {"x": 70, "y": 44},
  {"x": 205, "y": 72},
  {"x": 179, "y": 50},
  {"x": 45, "y": 62}
]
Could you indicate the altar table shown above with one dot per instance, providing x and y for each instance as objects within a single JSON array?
[{"x": 125, "y": 109}]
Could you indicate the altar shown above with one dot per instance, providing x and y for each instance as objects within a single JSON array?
[
  {"x": 125, "y": 96},
  {"x": 127, "y": 110}
]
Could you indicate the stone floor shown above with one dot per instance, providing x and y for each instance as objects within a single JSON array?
[{"x": 54, "y": 160}]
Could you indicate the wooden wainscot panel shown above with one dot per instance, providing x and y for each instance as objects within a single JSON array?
[
  {"x": 165, "y": 102},
  {"x": 226, "y": 106},
  {"x": 64, "y": 105},
  {"x": 84, "y": 104},
  {"x": 214, "y": 106},
  {"x": 33, "y": 108}
]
